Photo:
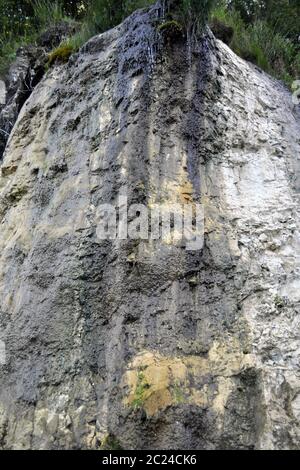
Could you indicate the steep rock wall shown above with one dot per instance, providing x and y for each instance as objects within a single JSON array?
[
  {"x": 24, "y": 74},
  {"x": 194, "y": 350}
]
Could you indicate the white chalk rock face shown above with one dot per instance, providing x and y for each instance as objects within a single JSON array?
[{"x": 142, "y": 344}]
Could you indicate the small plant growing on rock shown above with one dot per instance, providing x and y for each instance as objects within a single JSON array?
[
  {"x": 141, "y": 388},
  {"x": 60, "y": 55},
  {"x": 279, "y": 302},
  {"x": 178, "y": 393},
  {"x": 110, "y": 443},
  {"x": 171, "y": 30}
]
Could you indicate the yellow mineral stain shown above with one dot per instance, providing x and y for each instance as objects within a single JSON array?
[
  {"x": 154, "y": 382},
  {"x": 186, "y": 192}
]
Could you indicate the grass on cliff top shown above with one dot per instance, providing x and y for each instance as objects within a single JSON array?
[
  {"x": 12, "y": 37},
  {"x": 258, "y": 40},
  {"x": 96, "y": 16},
  {"x": 261, "y": 44}
]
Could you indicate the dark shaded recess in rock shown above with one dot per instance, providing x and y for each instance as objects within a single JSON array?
[{"x": 222, "y": 31}]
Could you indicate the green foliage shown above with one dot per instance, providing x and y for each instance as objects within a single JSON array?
[
  {"x": 76, "y": 41},
  {"x": 141, "y": 388},
  {"x": 22, "y": 21},
  {"x": 101, "y": 15},
  {"x": 284, "y": 17},
  {"x": 9, "y": 44},
  {"x": 15, "y": 30},
  {"x": 178, "y": 393},
  {"x": 46, "y": 13},
  {"x": 8, "y": 47},
  {"x": 249, "y": 10},
  {"x": 258, "y": 38},
  {"x": 104, "y": 14},
  {"x": 14, "y": 16},
  {"x": 195, "y": 10},
  {"x": 132, "y": 5},
  {"x": 61, "y": 54},
  {"x": 265, "y": 31},
  {"x": 193, "y": 14}
]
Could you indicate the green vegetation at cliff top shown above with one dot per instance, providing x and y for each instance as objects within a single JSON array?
[{"x": 265, "y": 32}]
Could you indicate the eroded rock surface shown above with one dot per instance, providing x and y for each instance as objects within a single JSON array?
[
  {"x": 24, "y": 74},
  {"x": 180, "y": 349}
]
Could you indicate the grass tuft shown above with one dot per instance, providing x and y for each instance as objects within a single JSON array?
[
  {"x": 61, "y": 54},
  {"x": 47, "y": 13},
  {"x": 141, "y": 389}
]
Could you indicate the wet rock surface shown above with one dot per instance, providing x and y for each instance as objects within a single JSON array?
[{"x": 178, "y": 349}]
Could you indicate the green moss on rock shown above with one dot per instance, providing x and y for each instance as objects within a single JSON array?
[
  {"x": 61, "y": 54},
  {"x": 110, "y": 443},
  {"x": 171, "y": 30}
]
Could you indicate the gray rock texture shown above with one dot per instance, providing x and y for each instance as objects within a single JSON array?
[
  {"x": 24, "y": 74},
  {"x": 180, "y": 349}
]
